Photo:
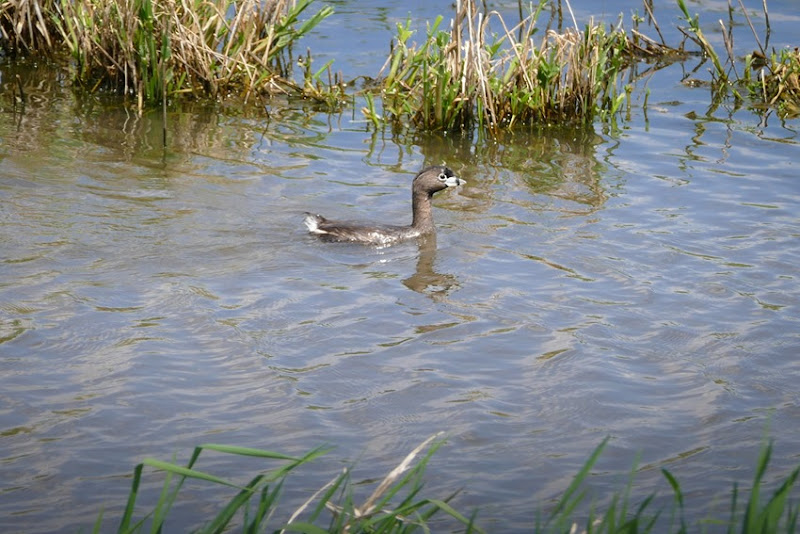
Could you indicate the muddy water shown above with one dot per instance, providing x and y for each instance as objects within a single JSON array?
[{"x": 639, "y": 283}]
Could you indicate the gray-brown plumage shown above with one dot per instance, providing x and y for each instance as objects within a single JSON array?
[{"x": 429, "y": 181}]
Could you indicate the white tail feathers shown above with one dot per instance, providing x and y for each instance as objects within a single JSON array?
[{"x": 312, "y": 222}]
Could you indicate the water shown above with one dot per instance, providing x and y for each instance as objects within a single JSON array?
[{"x": 638, "y": 283}]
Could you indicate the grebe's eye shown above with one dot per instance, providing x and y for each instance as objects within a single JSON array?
[{"x": 442, "y": 177}]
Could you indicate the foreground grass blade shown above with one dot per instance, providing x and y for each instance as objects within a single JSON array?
[
  {"x": 571, "y": 498},
  {"x": 187, "y": 472},
  {"x": 468, "y": 522},
  {"x": 247, "y": 451},
  {"x": 125, "y": 523},
  {"x": 676, "y": 490}
]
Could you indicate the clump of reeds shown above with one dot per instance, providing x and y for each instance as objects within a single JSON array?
[
  {"x": 771, "y": 514},
  {"x": 470, "y": 75},
  {"x": 26, "y": 25},
  {"x": 153, "y": 49},
  {"x": 484, "y": 72},
  {"x": 777, "y": 80},
  {"x": 395, "y": 505},
  {"x": 768, "y": 76},
  {"x": 480, "y": 71}
]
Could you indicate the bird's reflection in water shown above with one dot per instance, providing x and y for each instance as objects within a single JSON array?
[{"x": 425, "y": 280}]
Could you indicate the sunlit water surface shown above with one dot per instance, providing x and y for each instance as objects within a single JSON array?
[{"x": 637, "y": 282}]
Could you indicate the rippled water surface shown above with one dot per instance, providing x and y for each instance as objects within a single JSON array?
[{"x": 638, "y": 282}]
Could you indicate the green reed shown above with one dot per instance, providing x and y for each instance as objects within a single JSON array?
[
  {"x": 776, "y": 513},
  {"x": 396, "y": 503},
  {"x": 695, "y": 32}
]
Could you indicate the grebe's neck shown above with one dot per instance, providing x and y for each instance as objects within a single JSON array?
[{"x": 422, "y": 212}]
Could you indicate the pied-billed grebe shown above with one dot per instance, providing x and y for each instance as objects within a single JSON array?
[{"x": 425, "y": 184}]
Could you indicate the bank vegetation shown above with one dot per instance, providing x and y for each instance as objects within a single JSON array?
[
  {"x": 152, "y": 50},
  {"x": 397, "y": 502},
  {"x": 479, "y": 70}
]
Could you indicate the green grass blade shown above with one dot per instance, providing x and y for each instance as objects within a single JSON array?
[
  {"x": 571, "y": 497},
  {"x": 684, "y": 9},
  {"x": 247, "y": 451},
  {"x": 267, "y": 504},
  {"x": 412, "y": 475},
  {"x": 338, "y": 483},
  {"x": 314, "y": 21},
  {"x": 776, "y": 507},
  {"x": 98, "y": 524},
  {"x": 676, "y": 490},
  {"x": 734, "y": 505},
  {"x": 164, "y": 503},
  {"x": 449, "y": 510},
  {"x": 221, "y": 522},
  {"x": 125, "y": 522},
  {"x": 186, "y": 472},
  {"x": 676, "y": 487},
  {"x": 751, "y": 516}
]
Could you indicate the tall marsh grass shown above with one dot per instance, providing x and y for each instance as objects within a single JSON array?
[
  {"x": 480, "y": 70},
  {"x": 26, "y": 26},
  {"x": 396, "y": 503},
  {"x": 771, "y": 78},
  {"x": 775, "y": 80},
  {"x": 485, "y": 72},
  {"x": 158, "y": 48}
]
